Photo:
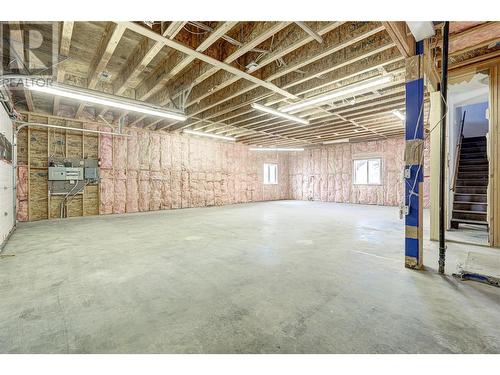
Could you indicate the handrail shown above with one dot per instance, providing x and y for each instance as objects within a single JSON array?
[{"x": 458, "y": 151}]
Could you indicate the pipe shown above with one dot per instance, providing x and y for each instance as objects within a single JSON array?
[
  {"x": 444, "y": 99},
  {"x": 14, "y": 149},
  {"x": 24, "y": 124}
]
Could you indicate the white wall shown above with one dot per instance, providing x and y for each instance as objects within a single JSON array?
[
  {"x": 461, "y": 94},
  {"x": 476, "y": 123},
  {"x": 6, "y": 183}
]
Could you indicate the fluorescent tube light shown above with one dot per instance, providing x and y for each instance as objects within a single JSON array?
[
  {"x": 275, "y": 149},
  {"x": 203, "y": 134},
  {"x": 103, "y": 99},
  {"x": 275, "y": 112},
  {"x": 337, "y": 93},
  {"x": 343, "y": 140},
  {"x": 399, "y": 115}
]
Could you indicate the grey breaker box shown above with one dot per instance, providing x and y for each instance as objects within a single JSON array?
[
  {"x": 65, "y": 173},
  {"x": 71, "y": 175},
  {"x": 91, "y": 169}
]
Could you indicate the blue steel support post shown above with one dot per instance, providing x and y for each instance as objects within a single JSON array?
[{"x": 414, "y": 136}]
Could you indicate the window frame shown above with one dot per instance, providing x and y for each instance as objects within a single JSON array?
[
  {"x": 367, "y": 159},
  {"x": 264, "y": 175}
]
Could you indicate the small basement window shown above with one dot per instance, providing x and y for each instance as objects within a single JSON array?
[
  {"x": 367, "y": 171},
  {"x": 270, "y": 174}
]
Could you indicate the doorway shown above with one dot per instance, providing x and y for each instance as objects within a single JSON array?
[{"x": 468, "y": 160}]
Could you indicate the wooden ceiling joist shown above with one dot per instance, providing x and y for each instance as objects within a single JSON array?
[
  {"x": 17, "y": 46},
  {"x": 216, "y": 75},
  {"x": 260, "y": 33},
  {"x": 474, "y": 37},
  {"x": 177, "y": 63},
  {"x": 66, "y": 34},
  {"x": 330, "y": 46},
  {"x": 109, "y": 41},
  {"x": 205, "y": 58},
  {"x": 222, "y": 79},
  {"x": 399, "y": 34}
]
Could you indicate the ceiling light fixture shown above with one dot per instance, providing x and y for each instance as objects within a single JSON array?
[
  {"x": 203, "y": 134},
  {"x": 275, "y": 112},
  {"x": 91, "y": 96},
  {"x": 421, "y": 29},
  {"x": 399, "y": 115},
  {"x": 351, "y": 89},
  {"x": 343, "y": 140},
  {"x": 275, "y": 149}
]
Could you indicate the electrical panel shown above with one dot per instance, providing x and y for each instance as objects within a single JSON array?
[
  {"x": 69, "y": 176},
  {"x": 91, "y": 171},
  {"x": 65, "y": 173}
]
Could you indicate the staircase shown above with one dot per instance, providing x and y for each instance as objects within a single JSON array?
[{"x": 470, "y": 199}]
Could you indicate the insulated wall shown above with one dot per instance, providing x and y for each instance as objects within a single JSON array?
[
  {"x": 6, "y": 180},
  {"x": 158, "y": 170},
  {"x": 145, "y": 171},
  {"x": 326, "y": 173}
]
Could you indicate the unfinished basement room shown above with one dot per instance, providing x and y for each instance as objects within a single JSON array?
[{"x": 298, "y": 187}]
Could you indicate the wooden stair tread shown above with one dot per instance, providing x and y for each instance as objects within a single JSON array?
[
  {"x": 471, "y": 183},
  {"x": 468, "y": 221},
  {"x": 470, "y": 212}
]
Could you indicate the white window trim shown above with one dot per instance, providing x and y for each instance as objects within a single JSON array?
[
  {"x": 367, "y": 170},
  {"x": 264, "y": 175}
]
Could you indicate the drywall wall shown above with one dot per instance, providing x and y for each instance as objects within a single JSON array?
[
  {"x": 476, "y": 124},
  {"x": 6, "y": 180},
  {"x": 325, "y": 173}
]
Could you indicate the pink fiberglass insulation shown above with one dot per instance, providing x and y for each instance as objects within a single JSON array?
[
  {"x": 172, "y": 170},
  {"x": 165, "y": 152},
  {"x": 106, "y": 149},
  {"x": 120, "y": 153},
  {"x": 22, "y": 193},
  {"x": 325, "y": 173},
  {"x": 132, "y": 150},
  {"x": 120, "y": 196},
  {"x": 166, "y": 191},
  {"x": 144, "y": 150},
  {"x": 175, "y": 188},
  {"x": 144, "y": 190},
  {"x": 132, "y": 202},
  {"x": 155, "y": 155},
  {"x": 106, "y": 191},
  {"x": 156, "y": 187}
]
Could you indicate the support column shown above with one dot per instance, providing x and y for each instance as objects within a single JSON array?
[
  {"x": 435, "y": 148},
  {"x": 414, "y": 151}
]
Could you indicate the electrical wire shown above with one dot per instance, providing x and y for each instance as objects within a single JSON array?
[
  {"x": 195, "y": 32},
  {"x": 412, "y": 190}
]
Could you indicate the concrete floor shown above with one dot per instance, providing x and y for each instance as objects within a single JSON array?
[
  {"x": 473, "y": 234},
  {"x": 272, "y": 277}
]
